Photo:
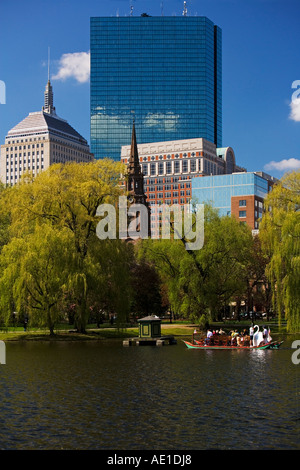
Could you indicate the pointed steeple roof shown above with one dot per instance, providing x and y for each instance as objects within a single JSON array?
[
  {"x": 135, "y": 182},
  {"x": 134, "y": 164}
]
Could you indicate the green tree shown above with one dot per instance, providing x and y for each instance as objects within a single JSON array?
[
  {"x": 146, "y": 288},
  {"x": 67, "y": 197},
  {"x": 203, "y": 281},
  {"x": 280, "y": 236},
  {"x": 35, "y": 275}
]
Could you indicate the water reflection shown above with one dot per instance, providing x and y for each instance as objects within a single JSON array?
[{"x": 104, "y": 396}]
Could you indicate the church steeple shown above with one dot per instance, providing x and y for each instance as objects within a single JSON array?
[
  {"x": 134, "y": 168},
  {"x": 135, "y": 179}
]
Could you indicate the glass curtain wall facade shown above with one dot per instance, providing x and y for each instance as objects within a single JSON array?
[
  {"x": 219, "y": 189},
  {"x": 166, "y": 72}
]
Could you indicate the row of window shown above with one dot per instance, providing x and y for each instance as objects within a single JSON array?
[
  {"x": 24, "y": 168},
  {"x": 27, "y": 140},
  {"x": 169, "y": 194},
  {"x": 181, "y": 166},
  {"x": 24, "y": 155},
  {"x": 259, "y": 204},
  {"x": 168, "y": 187},
  {"x": 16, "y": 177},
  {"x": 244, "y": 214},
  {"x": 24, "y": 147},
  {"x": 173, "y": 201},
  {"x": 167, "y": 179}
]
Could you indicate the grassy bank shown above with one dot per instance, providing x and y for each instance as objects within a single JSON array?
[{"x": 64, "y": 333}]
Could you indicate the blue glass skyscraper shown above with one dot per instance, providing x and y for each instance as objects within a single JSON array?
[{"x": 166, "y": 72}]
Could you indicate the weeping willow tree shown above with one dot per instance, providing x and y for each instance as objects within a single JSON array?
[
  {"x": 280, "y": 236},
  {"x": 34, "y": 273},
  {"x": 65, "y": 198}
]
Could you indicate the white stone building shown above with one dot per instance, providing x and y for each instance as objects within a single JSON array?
[{"x": 41, "y": 139}]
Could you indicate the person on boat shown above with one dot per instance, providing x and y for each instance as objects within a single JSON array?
[
  {"x": 265, "y": 334},
  {"x": 234, "y": 336},
  {"x": 221, "y": 332},
  {"x": 251, "y": 333},
  {"x": 209, "y": 336}
]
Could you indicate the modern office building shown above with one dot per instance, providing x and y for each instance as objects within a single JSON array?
[
  {"x": 40, "y": 140},
  {"x": 166, "y": 72},
  {"x": 169, "y": 167},
  {"x": 239, "y": 194}
]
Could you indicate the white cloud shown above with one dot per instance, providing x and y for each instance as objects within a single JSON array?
[
  {"x": 74, "y": 65},
  {"x": 295, "y": 109},
  {"x": 164, "y": 121},
  {"x": 284, "y": 165}
]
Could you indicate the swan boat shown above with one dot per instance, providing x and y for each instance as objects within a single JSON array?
[
  {"x": 199, "y": 345},
  {"x": 225, "y": 342}
]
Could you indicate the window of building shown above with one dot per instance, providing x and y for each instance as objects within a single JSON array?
[
  {"x": 168, "y": 168},
  {"x": 193, "y": 165},
  {"x": 152, "y": 168},
  {"x": 242, "y": 213},
  {"x": 242, "y": 202}
]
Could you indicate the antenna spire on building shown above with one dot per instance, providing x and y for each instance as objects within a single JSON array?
[
  {"x": 184, "y": 9},
  {"x": 48, "y": 64},
  {"x": 48, "y": 95}
]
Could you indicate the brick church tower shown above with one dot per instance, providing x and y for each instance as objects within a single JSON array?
[{"x": 135, "y": 181}]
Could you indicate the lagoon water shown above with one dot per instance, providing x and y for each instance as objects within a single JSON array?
[{"x": 101, "y": 395}]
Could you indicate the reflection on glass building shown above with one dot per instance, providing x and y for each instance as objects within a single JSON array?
[
  {"x": 239, "y": 194},
  {"x": 166, "y": 72}
]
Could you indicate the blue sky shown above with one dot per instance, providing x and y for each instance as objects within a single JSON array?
[{"x": 261, "y": 67}]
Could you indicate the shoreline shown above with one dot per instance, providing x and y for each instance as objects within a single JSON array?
[{"x": 102, "y": 334}]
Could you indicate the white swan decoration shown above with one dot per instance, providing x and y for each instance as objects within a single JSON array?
[{"x": 257, "y": 337}]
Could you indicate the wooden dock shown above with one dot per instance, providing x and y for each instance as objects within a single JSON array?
[{"x": 161, "y": 341}]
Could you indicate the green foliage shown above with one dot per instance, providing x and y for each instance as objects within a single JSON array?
[
  {"x": 54, "y": 256},
  {"x": 201, "y": 282},
  {"x": 280, "y": 236},
  {"x": 35, "y": 274},
  {"x": 54, "y": 266}
]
